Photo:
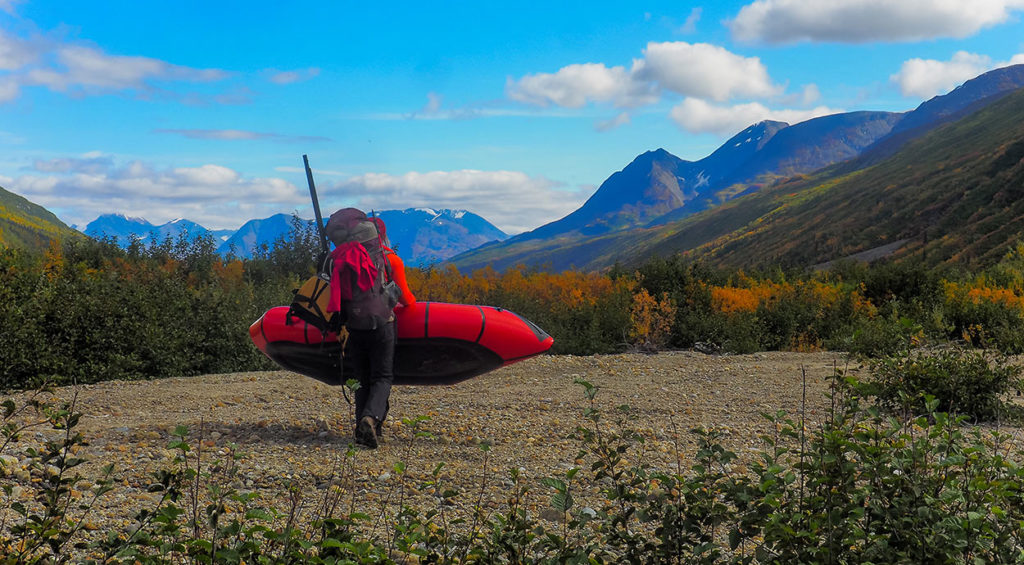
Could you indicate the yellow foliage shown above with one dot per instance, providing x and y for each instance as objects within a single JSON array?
[
  {"x": 978, "y": 291},
  {"x": 53, "y": 262},
  {"x": 651, "y": 320},
  {"x": 231, "y": 273},
  {"x": 557, "y": 291}
]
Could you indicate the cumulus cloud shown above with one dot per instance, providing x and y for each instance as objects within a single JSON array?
[
  {"x": 236, "y": 135},
  {"x": 925, "y": 78},
  {"x": 704, "y": 71},
  {"x": 860, "y": 21},
  {"x": 511, "y": 200},
  {"x": 289, "y": 77},
  {"x": 81, "y": 188},
  {"x": 699, "y": 116},
  {"x": 690, "y": 69},
  {"x": 575, "y": 85}
]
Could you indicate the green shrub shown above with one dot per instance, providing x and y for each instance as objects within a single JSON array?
[
  {"x": 962, "y": 382},
  {"x": 858, "y": 488}
]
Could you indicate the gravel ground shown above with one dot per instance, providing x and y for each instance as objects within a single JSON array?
[{"x": 295, "y": 430}]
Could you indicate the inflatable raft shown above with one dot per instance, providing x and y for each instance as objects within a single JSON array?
[{"x": 438, "y": 343}]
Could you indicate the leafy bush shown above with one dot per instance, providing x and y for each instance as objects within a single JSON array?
[
  {"x": 860, "y": 487},
  {"x": 881, "y": 337},
  {"x": 962, "y": 382}
]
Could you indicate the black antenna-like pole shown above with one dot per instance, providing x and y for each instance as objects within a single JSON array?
[{"x": 316, "y": 206}]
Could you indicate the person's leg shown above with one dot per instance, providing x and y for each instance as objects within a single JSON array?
[
  {"x": 382, "y": 359},
  {"x": 357, "y": 352}
]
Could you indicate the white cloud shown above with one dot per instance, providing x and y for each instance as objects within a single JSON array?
[
  {"x": 80, "y": 69},
  {"x": 93, "y": 70},
  {"x": 16, "y": 53},
  {"x": 9, "y": 90},
  {"x": 608, "y": 125},
  {"x": 699, "y": 116},
  {"x": 289, "y": 77},
  {"x": 79, "y": 189},
  {"x": 925, "y": 78},
  {"x": 575, "y": 85},
  {"x": 810, "y": 94},
  {"x": 511, "y": 200},
  {"x": 860, "y": 21},
  {"x": 704, "y": 71},
  {"x": 699, "y": 70},
  {"x": 690, "y": 25}
]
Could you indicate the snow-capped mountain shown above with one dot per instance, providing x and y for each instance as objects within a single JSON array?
[{"x": 420, "y": 235}]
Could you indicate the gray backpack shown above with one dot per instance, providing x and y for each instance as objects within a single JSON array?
[{"x": 371, "y": 308}]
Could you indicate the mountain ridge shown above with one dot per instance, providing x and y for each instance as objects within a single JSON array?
[
  {"x": 423, "y": 236},
  {"x": 845, "y": 142}
]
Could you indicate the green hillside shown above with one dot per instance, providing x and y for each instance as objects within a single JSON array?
[
  {"x": 954, "y": 195},
  {"x": 26, "y": 225}
]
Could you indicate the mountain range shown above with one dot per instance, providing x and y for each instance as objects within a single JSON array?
[
  {"x": 943, "y": 183},
  {"x": 422, "y": 235},
  {"x": 715, "y": 208}
]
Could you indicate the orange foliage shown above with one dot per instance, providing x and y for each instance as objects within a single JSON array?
[
  {"x": 230, "y": 274},
  {"x": 732, "y": 299},
  {"x": 53, "y": 262},
  {"x": 979, "y": 291},
  {"x": 651, "y": 320},
  {"x": 568, "y": 290},
  {"x": 748, "y": 295}
]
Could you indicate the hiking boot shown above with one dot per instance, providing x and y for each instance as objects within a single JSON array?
[{"x": 366, "y": 434}]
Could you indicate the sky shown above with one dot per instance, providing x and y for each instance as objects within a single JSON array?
[{"x": 514, "y": 111}]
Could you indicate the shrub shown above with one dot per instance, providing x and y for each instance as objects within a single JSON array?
[
  {"x": 860, "y": 487},
  {"x": 962, "y": 382},
  {"x": 881, "y": 337}
]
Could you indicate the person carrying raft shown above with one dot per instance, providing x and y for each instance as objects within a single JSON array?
[{"x": 367, "y": 283}]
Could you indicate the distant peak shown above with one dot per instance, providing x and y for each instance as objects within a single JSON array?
[
  {"x": 125, "y": 217},
  {"x": 654, "y": 155}
]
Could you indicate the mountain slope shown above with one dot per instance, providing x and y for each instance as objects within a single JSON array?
[
  {"x": 255, "y": 233},
  {"x": 25, "y": 225},
  {"x": 658, "y": 187},
  {"x": 965, "y": 99},
  {"x": 423, "y": 236},
  {"x": 956, "y": 195},
  {"x": 761, "y": 155}
]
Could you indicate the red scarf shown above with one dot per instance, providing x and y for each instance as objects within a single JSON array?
[{"x": 350, "y": 259}]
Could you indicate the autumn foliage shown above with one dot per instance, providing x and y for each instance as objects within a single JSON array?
[{"x": 177, "y": 308}]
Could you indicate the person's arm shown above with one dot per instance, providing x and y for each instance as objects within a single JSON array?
[{"x": 398, "y": 274}]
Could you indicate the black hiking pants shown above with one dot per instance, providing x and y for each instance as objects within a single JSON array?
[{"x": 372, "y": 354}]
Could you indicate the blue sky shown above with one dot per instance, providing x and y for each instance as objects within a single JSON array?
[{"x": 203, "y": 110}]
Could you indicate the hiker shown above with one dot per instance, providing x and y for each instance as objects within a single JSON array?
[
  {"x": 364, "y": 288},
  {"x": 397, "y": 265}
]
